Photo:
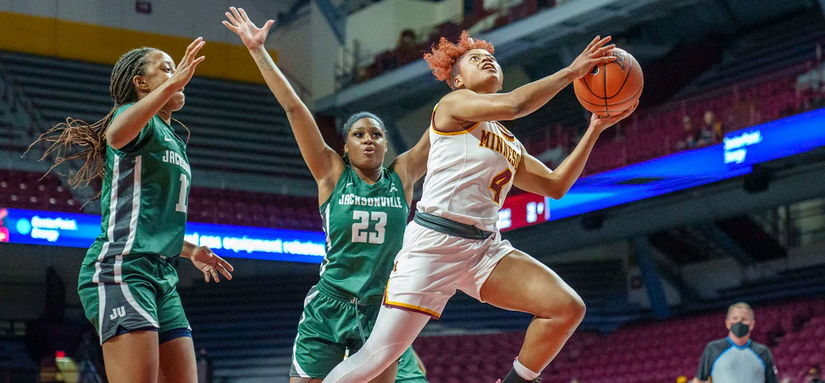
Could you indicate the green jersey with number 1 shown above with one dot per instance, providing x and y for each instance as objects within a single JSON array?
[
  {"x": 365, "y": 226},
  {"x": 145, "y": 194}
]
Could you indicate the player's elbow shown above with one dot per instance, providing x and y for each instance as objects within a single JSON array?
[
  {"x": 114, "y": 139},
  {"x": 555, "y": 194},
  {"x": 557, "y": 186},
  {"x": 555, "y": 190}
]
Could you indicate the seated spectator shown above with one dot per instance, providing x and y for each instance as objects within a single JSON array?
[
  {"x": 407, "y": 50},
  {"x": 810, "y": 86},
  {"x": 690, "y": 140},
  {"x": 811, "y": 80},
  {"x": 814, "y": 375},
  {"x": 711, "y": 130}
]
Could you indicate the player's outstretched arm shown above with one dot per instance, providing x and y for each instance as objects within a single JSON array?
[
  {"x": 323, "y": 162},
  {"x": 127, "y": 125},
  {"x": 464, "y": 105},
  {"x": 412, "y": 164},
  {"x": 534, "y": 176}
]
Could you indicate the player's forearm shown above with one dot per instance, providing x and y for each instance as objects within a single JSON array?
[
  {"x": 530, "y": 97},
  {"x": 566, "y": 174},
  {"x": 129, "y": 123},
  {"x": 311, "y": 143},
  {"x": 275, "y": 80}
]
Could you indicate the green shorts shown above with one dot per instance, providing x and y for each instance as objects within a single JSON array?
[
  {"x": 332, "y": 326},
  {"x": 135, "y": 293}
]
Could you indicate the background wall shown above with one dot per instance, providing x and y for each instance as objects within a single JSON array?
[
  {"x": 377, "y": 27},
  {"x": 101, "y": 31}
]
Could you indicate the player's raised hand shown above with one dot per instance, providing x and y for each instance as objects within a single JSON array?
[
  {"x": 186, "y": 66},
  {"x": 596, "y": 53},
  {"x": 602, "y": 123},
  {"x": 210, "y": 264},
  {"x": 250, "y": 34}
]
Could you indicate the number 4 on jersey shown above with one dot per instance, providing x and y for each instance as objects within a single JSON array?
[{"x": 360, "y": 234}]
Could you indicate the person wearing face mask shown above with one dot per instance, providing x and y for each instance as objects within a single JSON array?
[{"x": 737, "y": 358}]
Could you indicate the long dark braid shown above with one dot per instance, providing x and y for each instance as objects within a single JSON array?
[{"x": 91, "y": 138}]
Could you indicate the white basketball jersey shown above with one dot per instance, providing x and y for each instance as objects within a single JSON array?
[{"x": 469, "y": 173}]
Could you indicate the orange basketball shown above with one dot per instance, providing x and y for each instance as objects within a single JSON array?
[{"x": 610, "y": 89}]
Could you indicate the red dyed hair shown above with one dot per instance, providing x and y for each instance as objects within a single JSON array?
[{"x": 445, "y": 55}]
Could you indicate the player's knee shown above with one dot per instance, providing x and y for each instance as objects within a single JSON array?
[
  {"x": 568, "y": 310},
  {"x": 575, "y": 310}
]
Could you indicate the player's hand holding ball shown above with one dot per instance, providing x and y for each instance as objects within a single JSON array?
[
  {"x": 608, "y": 82},
  {"x": 601, "y": 123},
  {"x": 595, "y": 54},
  {"x": 612, "y": 87}
]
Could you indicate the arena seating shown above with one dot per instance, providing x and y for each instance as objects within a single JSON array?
[
  {"x": 232, "y": 138},
  {"x": 25, "y": 190},
  {"x": 784, "y": 44},
  {"x": 753, "y": 84},
  {"x": 254, "y": 209},
  {"x": 505, "y": 13},
  {"x": 639, "y": 353},
  {"x": 251, "y": 342},
  {"x": 236, "y": 127},
  {"x": 16, "y": 128},
  {"x": 654, "y": 133},
  {"x": 248, "y": 326}
]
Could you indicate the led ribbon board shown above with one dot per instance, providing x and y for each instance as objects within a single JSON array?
[
  {"x": 80, "y": 230},
  {"x": 734, "y": 157}
]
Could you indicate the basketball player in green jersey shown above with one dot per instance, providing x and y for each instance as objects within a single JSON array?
[
  {"x": 126, "y": 283},
  {"x": 364, "y": 207}
]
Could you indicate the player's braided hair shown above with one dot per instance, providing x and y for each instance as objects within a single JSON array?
[{"x": 77, "y": 139}]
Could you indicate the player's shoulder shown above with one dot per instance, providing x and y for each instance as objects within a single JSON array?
[
  {"x": 455, "y": 99},
  {"x": 760, "y": 348},
  {"x": 718, "y": 345}
]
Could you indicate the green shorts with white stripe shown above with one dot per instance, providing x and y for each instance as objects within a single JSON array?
[{"x": 136, "y": 292}]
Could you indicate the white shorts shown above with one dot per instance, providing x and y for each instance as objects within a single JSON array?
[{"x": 432, "y": 266}]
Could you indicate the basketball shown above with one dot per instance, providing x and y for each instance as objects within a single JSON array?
[{"x": 610, "y": 89}]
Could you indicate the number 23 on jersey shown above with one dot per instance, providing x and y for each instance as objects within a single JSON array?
[{"x": 361, "y": 232}]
